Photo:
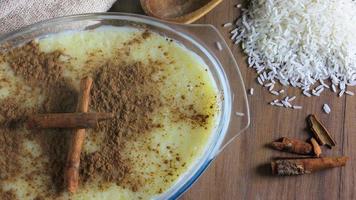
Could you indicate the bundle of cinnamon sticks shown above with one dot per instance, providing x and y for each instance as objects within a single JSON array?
[
  {"x": 78, "y": 121},
  {"x": 313, "y": 161}
]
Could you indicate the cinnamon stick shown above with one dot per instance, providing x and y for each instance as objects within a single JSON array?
[
  {"x": 73, "y": 159},
  {"x": 288, "y": 167},
  {"x": 320, "y": 132},
  {"x": 316, "y": 147},
  {"x": 292, "y": 145},
  {"x": 67, "y": 120}
]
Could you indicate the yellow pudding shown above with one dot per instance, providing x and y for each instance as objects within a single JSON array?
[{"x": 163, "y": 95}]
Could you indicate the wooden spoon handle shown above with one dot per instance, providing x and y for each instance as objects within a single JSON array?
[
  {"x": 185, "y": 19},
  {"x": 197, "y": 14}
]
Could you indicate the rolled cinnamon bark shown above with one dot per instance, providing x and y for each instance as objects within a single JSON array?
[
  {"x": 316, "y": 147},
  {"x": 67, "y": 120},
  {"x": 293, "y": 146},
  {"x": 288, "y": 167},
  {"x": 73, "y": 160}
]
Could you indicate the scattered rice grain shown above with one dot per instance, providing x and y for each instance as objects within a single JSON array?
[
  {"x": 251, "y": 91},
  {"x": 271, "y": 88},
  {"x": 274, "y": 92},
  {"x": 349, "y": 93},
  {"x": 286, "y": 104},
  {"x": 306, "y": 93},
  {"x": 240, "y": 114},
  {"x": 292, "y": 98},
  {"x": 326, "y": 108},
  {"x": 227, "y": 25},
  {"x": 297, "y": 107},
  {"x": 218, "y": 45},
  {"x": 333, "y": 88},
  {"x": 279, "y": 104}
]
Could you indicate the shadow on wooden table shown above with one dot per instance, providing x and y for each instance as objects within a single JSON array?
[
  {"x": 128, "y": 6},
  {"x": 264, "y": 170}
]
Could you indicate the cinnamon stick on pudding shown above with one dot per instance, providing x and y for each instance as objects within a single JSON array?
[
  {"x": 67, "y": 120},
  {"x": 73, "y": 160}
]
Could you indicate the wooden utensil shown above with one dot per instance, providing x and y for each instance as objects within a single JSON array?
[{"x": 179, "y": 11}]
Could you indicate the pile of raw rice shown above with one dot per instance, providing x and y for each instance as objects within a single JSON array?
[{"x": 309, "y": 44}]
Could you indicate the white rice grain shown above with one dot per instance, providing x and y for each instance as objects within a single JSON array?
[
  {"x": 271, "y": 88},
  {"x": 274, "y": 93},
  {"x": 326, "y": 108},
  {"x": 320, "y": 91},
  {"x": 297, "y": 107},
  {"x": 251, "y": 91},
  {"x": 333, "y": 88},
  {"x": 240, "y": 114},
  {"x": 306, "y": 93},
  {"x": 315, "y": 93},
  {"x": 218, "y": 46},
  {"x": 227, "y": 25},
  {"x": 268, "y": 84},
  {"x": 319, "y": 87},
  {"x": 292, "y": 98},
  {"x": 324, "y": 84},
  {"x": 279, "y": 104},
  {"x": 286, "y": 104},
  {"x": 349, "y": 93}
]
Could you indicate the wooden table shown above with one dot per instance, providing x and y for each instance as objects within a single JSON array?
[{"x": 241, "y": 171}]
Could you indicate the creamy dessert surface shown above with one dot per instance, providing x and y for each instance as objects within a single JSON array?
[{"x": 163, "y": 96}]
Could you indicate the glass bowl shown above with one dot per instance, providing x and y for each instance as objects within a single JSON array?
[{"x": 205, "y": 40}]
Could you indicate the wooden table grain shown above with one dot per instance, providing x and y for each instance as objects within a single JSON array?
[{"x": 241, "y": 171}]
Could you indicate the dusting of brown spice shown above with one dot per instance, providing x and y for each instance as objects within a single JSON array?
[
  {"x": 11, "y": 117},
  {"x": 138, "y": 39},
  {"x": 191, "y": 115},
  {"x": 125, "y": 89},
  {"x": 8, "y": 195},
  {"x": 43, "y": 70},
  {"x": 36, "y": 67}
]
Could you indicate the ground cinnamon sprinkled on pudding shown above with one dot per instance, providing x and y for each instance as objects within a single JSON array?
[
  {"x": 42, "y": 70},
  {"x": 12, "y": 116},
  {"x": 127, "y": 90},
  {"x": 36, "y": 67},
  {"x": 138, "y": 39},
  {"x": 8, "y": 195}
]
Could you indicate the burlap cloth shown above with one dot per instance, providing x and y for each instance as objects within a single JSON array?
[{"x": 17, "y": 13}]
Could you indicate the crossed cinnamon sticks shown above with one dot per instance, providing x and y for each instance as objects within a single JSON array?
[{"x": 79, "y": 121}]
